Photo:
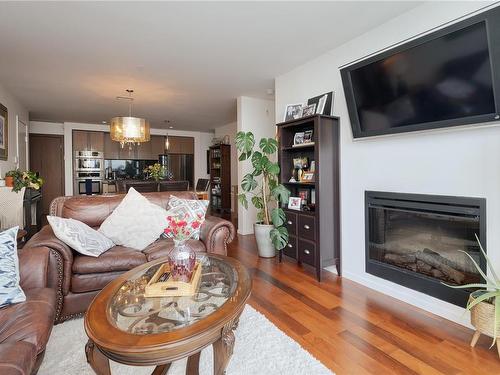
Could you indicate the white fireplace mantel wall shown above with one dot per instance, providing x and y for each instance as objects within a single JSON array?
[{"x": 457, "y": 161}]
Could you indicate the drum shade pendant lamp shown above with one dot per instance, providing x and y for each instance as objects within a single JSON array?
[{"x": 129, "y": 130}]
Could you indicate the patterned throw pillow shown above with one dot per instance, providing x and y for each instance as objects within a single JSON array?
[
  {"x": 189, "y": 209},
  {"x": 79, "y": 236},
  {"x": 136, "y": 222},
  {"x": 10, "y": 291}
]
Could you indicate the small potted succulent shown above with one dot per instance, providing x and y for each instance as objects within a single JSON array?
[
  {"x": 484, "y": 302},
  {"x": 265, "y": 193}
]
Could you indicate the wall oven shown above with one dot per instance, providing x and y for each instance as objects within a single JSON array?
[
  {"x": 89, "y": 161},
  {"x": 88, "y": 172}
]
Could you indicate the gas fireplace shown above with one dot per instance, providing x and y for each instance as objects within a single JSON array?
[{"x": 414, "y": 240}]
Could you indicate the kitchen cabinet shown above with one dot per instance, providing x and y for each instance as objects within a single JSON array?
[
  {"x": 180, "y": 145},
  {"x": 84, "y": 140},
  {"x": 157, "y": 146},
  {"x": 111, "y": 148}
]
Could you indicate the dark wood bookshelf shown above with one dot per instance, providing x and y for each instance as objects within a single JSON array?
[
  {"x": 220, "y": 179},
  {"x": 314, "y": 234}
]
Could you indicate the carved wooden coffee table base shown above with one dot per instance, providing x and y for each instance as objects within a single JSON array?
[
  {"x": 139, "y": 331},
  {"x": 222, "y": 348}
]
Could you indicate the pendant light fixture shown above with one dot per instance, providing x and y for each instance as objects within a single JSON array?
[{"x": 129, "y": 130}]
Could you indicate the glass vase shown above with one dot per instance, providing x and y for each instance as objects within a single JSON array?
[{"x": 182, "y": 259}]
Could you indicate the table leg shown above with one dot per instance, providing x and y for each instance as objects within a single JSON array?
[
  {"x": 223, "y": 348},
  {"x": 193, "y": 364},
  {"x": 161, "y": 370},
  {"x": 97, "y": 360}
]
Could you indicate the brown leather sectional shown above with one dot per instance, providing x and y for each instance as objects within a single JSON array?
[
  {"x": 78, "y": 278},
  {"x": 25, "y": 327}
]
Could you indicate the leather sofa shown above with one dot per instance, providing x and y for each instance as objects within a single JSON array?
[
  {"x": 78, "y": 278},
  {"x": 25, "y": 327}
]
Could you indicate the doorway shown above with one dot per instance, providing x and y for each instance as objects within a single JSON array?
[{"x": 46, "y": 156}]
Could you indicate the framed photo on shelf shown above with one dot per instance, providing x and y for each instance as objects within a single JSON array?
[
  {"x": 307, "y": 177},
  {"x": 308, "y": 136},
  {"x": 298, "y": 138},
  {"x": 294, "y": 203},
  {"x": 324, "y": 103},
  {"x": 300, "y": 163},
  {"x": 309, "y": 110},
  {"x": 4, "y": 133},
  {"x": 304, "y": 195},
  {"x": 293, "y": 112}
]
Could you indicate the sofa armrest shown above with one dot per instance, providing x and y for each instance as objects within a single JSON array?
[
  {"x": 216, "y": 233},
  {"x": 33, "y": 267},
  {"x": 60, "y": 260}
]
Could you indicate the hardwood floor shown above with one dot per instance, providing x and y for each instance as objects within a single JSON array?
[{"x": 352, "y": 329}]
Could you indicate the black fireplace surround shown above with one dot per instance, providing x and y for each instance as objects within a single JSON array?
[{"x": 413, "y": 240}]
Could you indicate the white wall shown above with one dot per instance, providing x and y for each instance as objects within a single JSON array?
[
  {"x": 230, "y": 130},
  {"x": 202, "y": 140},
  {"x": 460, "y": 162},
  {"x": 14, "y": 108},
  {"x": 257, "y": 116}
]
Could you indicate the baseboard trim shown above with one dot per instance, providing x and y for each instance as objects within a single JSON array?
[{"x": 430, "y": 304}]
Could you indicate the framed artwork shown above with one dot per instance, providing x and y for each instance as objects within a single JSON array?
[
  {"x": 308, "y": 136},
  {"x": 324, "y": 103},
  {"x": 298, "y": 138},
  {"x": 300, "y": 163},
  {"x": 304, "y": 195},
  {"x": 293, "y": 112},
  {"x": 309, "y": 110},
  {"x": 4, "y": 133},
  {"x": 308, "y": 177},
  {"x": 294, "y": 203}
]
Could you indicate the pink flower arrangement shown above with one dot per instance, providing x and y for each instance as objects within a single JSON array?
[{"x": 181, "y": 228}]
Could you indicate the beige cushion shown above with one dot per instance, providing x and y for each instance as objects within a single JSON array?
[
  {"x": 135, "y": 222},
  {"x": 79, "y": 236}
]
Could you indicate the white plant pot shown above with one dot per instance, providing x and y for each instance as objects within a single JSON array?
[{"x": 263, "y": 238}]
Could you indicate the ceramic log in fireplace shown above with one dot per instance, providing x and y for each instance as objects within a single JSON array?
[{"x": 413, "y": 240}]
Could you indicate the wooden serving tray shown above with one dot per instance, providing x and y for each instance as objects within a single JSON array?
[{"x": 172, "y": 288}]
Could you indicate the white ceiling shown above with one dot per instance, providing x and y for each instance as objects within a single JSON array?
[{"x": 187, "y": 62}]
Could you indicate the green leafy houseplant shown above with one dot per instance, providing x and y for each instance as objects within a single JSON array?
[
  {"x": 487, "y": 292},
  {"x": 262, "y": 186},
  {"x": 26, "y": 179}
]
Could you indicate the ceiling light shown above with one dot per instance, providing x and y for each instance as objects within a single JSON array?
[{"x": 129, "y": 130}]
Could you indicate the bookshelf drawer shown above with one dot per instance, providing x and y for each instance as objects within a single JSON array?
[
  {"x": 307, "y": 252},
  {"x": 291, "y": 222},
  {"x": 307, "y": 227},
  {"x": 291, "y": 247}
]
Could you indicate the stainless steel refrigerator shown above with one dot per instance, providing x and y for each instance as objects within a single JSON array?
[{"x": 179, "y": 166}]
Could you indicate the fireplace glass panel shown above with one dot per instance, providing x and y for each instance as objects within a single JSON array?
[{"x": 426, "y": 243}]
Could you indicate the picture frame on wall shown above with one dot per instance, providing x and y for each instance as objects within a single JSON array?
[
  {"x": 4, "y": 133},
  {"x": 293, "y": 112},
  {"x": 324, "y": 103}
]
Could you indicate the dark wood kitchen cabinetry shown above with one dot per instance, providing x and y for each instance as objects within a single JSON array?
[
  {"x": 314, "y": 231},
  {"x": 85, "y": 140}
]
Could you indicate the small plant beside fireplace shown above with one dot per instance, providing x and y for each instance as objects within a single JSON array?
[{"x": 484, "y": 302}]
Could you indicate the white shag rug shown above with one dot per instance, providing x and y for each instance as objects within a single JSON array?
[{"x": 260, "y": 348}]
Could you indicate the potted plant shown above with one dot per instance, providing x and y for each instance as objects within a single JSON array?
[
  {"x": 484, "y": 302},
  {"x": 155, "y": 171},
  {"x": 10, "y": 176},
  {"x": 17, "y": 180},
  {"x": 265, "y": 193}
]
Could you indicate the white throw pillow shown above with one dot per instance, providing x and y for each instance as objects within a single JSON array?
[
  {"x": 10, "y": 290},
  {"x": 188, "y": 209},
  {"x": 79, "y": 236},
  {"x": 136, "y": 222}
]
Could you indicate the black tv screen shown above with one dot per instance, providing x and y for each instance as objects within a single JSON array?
[{"x": 443, "y": 79}]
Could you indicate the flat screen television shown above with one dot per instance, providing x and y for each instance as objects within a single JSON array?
[{"x": 446, "y": 78}]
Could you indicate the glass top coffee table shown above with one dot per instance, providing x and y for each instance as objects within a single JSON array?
[{"x": 125, "y": 326}]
